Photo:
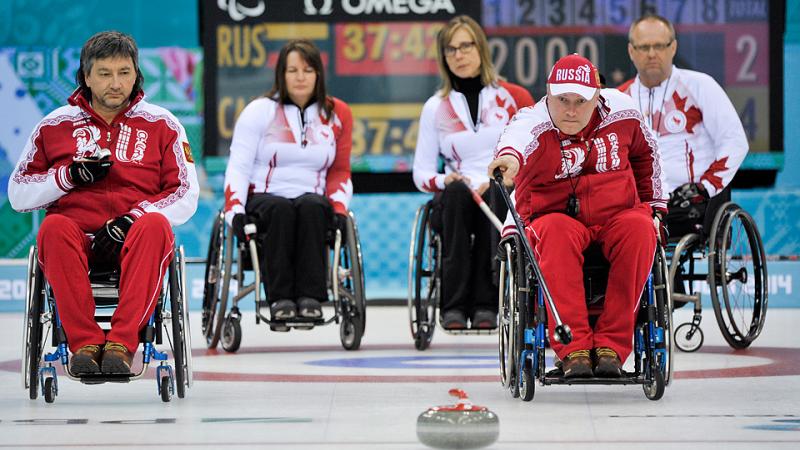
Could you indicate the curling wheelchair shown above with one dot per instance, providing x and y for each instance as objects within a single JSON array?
[
  {"x": 730, "y": 244},
  {"x": 345, "y": 279},
  {"x": 523, "y": 325},
  {"x": 42, "y": 325},
  {"x": 425, "y": 280}
]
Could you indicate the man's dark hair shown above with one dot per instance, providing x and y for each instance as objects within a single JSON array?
[
  {"x": 310, "y": 54},
  {"x": 108, "y": 44}
]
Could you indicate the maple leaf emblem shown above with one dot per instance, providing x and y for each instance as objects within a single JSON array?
[
  {"x": 501, "y": 102},
  {"x": 230, "y": 202},
  {"x": 693, "y": 115},
  {"x": 430, "y": 185},
  {"x": 711, "y": 174}
]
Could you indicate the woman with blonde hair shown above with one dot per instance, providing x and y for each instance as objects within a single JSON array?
[{"x": 461, "y": 123}]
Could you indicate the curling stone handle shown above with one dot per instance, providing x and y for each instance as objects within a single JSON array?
[{"x": 455, "y": 392}]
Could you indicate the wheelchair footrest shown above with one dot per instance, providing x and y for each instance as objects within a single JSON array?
[
  {"x": 100, "y": 378},
  {"x": 299, "y": 322},
  {"x": 556, "y": 376}
]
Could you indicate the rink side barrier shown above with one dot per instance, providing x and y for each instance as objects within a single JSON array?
[{"x": 384, "y": 222}]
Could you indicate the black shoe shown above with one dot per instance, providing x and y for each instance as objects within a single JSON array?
[
  {"x": 283, "y": 310},
  {"x": 85, "y": 360},
  {"x": 454, "y": 320},
  {"x": 309, "y": 308},
  {"x": 484, "y": 319},
  {"x": 607, "y": 363}
]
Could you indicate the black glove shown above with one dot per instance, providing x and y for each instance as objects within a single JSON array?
[
  {"x": 340, "y": 222},
  {"x": 688, "y": 194},
  {"x": 109, "y": 238},
  {"x": 659, "y": 221},
  {"x": 238, "y": 223},
  {"x": 501, "y": 246},
  {"x": 88, "y": 171}
]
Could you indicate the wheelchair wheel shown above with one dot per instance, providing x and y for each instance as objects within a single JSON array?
[
  {"x": 424, "y": 288},
  {"x": 231, "y": 338},
  {"x": 687, "y": 339},
  {"x": 681, "y": 253},
  {"x": 181, "y": 335},
  {"x": 655, "y": 389},
  {"x": 664, "y": 307},
  {"x": 213, "y": 307},
  {"x": 351, "y": 287},
  {"x": 33, "y": 328},
  {"x": 164, "y": 386},
  {"x": 737, "y": 276},
  {"x": 524, "y": 320},
  {"x": 509, "y": 320},
  {"x": 50, "y": 389},
  {"x": 528, "y": 385}
]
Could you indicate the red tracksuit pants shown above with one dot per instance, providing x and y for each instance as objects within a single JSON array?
[
  {"x": 628, "y": 242},
  {"x": 64, "y": 255}
]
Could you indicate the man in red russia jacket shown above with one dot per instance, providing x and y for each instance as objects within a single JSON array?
[
  {"x": 586, "y": 170},
  {"x": 114, "y": 173}
]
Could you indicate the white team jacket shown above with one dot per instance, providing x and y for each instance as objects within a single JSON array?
[
  {"x": 700, "y": 136},
  {"x": 446, "y": 128},
  {"x": 272, "y": 152}
]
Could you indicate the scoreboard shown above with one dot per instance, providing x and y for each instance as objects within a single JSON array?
[{"x": 380, "y": 56}]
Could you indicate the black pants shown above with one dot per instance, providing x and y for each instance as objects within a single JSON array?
[
  {"x": 468, "y": 248},
  {"x": 292, "y": 237}
]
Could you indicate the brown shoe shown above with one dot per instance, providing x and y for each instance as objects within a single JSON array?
[
  {"x": 577, "y": 365},
  {"x": 116, "y": 358},
  {"x": 607, "y": 363},
  {"x": 85, "y": 360}
]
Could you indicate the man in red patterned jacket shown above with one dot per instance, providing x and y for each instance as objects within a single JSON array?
[
  {"x": 586, "y": 170},
  {"x": 114, "y": 173}
]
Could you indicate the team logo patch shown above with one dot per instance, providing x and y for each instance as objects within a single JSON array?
[
  {"x": 123, "y": 140},
  {"x": 187, "y": 152},
  {"x": 571, "y": 162},
  {"x": 675, "y": 121},
  {"x": 86, "y": 138}
]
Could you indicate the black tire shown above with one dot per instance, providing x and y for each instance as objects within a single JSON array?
[
  {"x": 737, "y": 254},
  {"x": 655, "y": 389},
  {"x": 684, "y": 341},
  {"x": 180, "y": 329},
  {"x": 49, "y": 390},
  {"x": 166, "y": 394},
  {"x": 424, "y": 279},
  {"x": 213, "y": 281},
  {"x": 231, "y": 334},
  {"x": 351, "y": 289},
  {"x": 528, "y": 386},
  {"x": 33, "y": 328},
  {"x": 524, "y": 319},
  {"x": 509, "y": 290},
  {"x": 664, "y": 307}
]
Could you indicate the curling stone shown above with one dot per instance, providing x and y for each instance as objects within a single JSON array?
[{"x": 462, "y": 425}]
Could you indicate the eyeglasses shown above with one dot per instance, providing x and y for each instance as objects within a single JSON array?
[
  {"x": 645, "y": 48},
  {"x": 465, "y": 48}
]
